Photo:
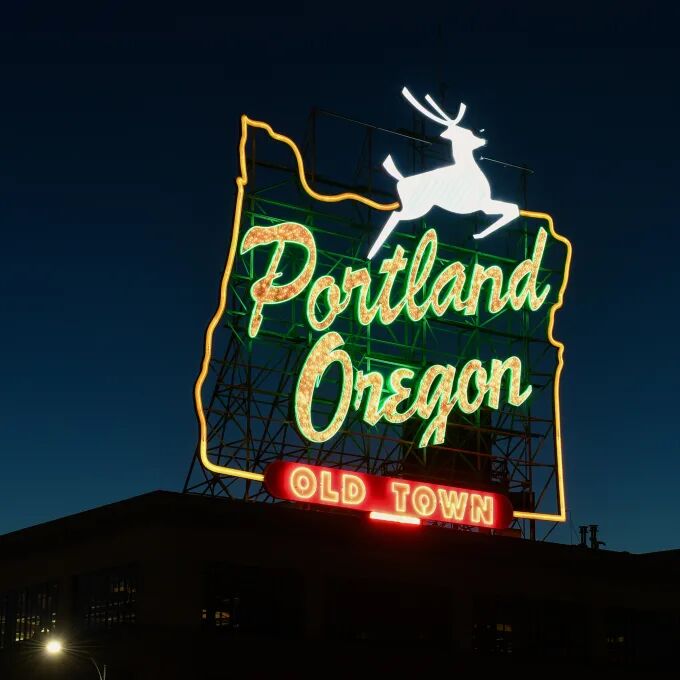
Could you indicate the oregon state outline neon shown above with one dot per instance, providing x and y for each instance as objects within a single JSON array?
[{"x": 241, "y": 182}]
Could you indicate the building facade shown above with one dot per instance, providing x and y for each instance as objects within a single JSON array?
[{"x": 169, "y": 585}]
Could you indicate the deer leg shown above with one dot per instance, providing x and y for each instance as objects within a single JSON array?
[
  {"x": 391, "y": 223},
  {"x": 508, "y": 212}
]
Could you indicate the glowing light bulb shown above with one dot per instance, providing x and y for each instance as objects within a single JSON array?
[{"x": 53, "y": 647}]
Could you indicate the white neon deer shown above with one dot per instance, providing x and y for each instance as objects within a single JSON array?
[{"x": 458, "y": 188}]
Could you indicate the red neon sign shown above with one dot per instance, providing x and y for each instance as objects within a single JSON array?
[
  {"x": 389, "y": 517},
  {"x": 387, "y": 495}
]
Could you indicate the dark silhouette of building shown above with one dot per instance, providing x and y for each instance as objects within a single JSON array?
[{"x": 167, "y": 585}]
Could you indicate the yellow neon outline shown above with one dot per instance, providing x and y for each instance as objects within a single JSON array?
[
  {"x": 562, "y": 515},
  {"x": 241, "y": 182}
]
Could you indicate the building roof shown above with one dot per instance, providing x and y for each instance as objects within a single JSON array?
[{"x": 169, "y": 508}]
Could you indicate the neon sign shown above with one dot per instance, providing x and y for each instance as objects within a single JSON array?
[
  {"x": 393, "y": 496},
  {"x": 414, "y": 285}
]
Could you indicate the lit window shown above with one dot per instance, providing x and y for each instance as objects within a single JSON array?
[
  {"x": 27, "y": 613},
  {"x": 108, "y": 598}
]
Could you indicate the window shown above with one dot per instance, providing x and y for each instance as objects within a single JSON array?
[
  {"x": 27, "y": 613},
  {"x": 36, "y": 611},
  {"x": 499, "y": 625},
  {"x": 619, "y": 629},
  {"x": 490, "y": 638},
  {"x": 108, "y": 598},
  {"x": 223, "y": 613},
  {"x": 243, "y": 600}
]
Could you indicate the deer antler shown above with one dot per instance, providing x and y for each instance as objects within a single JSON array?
[
  {"x": 461, "y": 113},
  {"x": 436, "y": 107},
  {"x": 417, "y": 105}
]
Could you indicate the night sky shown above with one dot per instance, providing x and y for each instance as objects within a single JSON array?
[{"x": 117, "y": 162}]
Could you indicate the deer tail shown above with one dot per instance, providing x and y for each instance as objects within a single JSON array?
[{"x": 391, "y": 168}]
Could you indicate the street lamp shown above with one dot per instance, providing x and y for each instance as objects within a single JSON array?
[{"x": 55, "y": 646}]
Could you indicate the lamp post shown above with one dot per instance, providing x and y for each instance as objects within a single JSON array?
[{"x": 54, "y": 647}]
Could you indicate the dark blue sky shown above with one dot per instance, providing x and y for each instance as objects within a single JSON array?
[{"x": 117, "y": 159}]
